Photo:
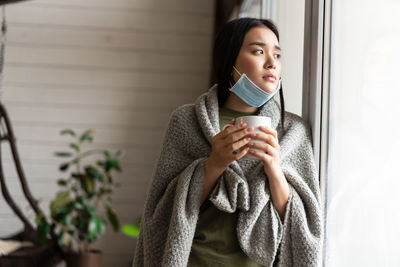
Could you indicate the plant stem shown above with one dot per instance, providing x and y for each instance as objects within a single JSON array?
[{"x": 87, "y": 153}]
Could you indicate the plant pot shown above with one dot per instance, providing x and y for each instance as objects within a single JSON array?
[{"x": 89, "y": 259}]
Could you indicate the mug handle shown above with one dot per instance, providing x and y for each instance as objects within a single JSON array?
[{"x": 226, "y": 126}]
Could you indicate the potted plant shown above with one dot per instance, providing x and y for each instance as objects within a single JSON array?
[{"x": 75, "y": 212}]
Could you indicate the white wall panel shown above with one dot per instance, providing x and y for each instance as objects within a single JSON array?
[
  {"x": 90, "y": 58},
  {"x": 179, "y": 6},
  {"x": 37, "y": 74},
  {"x": 181, "y": 43},
  {"x": 120, "y": 19}
]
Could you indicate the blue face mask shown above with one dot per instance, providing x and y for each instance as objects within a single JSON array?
[{"x": 250, "y": 93}]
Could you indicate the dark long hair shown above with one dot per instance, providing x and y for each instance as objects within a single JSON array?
[{"x": 226, "y": 49}]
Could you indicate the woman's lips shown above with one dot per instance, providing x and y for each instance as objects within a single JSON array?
[{"x": 269, "y": 77}]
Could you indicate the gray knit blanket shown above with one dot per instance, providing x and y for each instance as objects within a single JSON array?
[{"x": 173, "y": 202}]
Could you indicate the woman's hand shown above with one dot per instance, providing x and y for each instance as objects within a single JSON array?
[
  {"x": 229, "y": 145},
  {"x": 270, "y": 150}
]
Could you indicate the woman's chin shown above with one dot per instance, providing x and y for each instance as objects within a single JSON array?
[{"x": 269, "y": 89}]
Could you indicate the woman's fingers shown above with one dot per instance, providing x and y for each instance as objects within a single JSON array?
[
  {"x": 235, "y": 133},
  {"x": 269, "y": 144},
  {"x": 235, "y": 137},
  {"x": 260, "y": 154},
  {"x": 268, "y": 137},
  {"x": 231, "y": 129},
  {"x": 239, "y": 144},
  {"x": 267, "y": 148},
  {"x": 270, "y": 131},
  {"x": 241, "y": 153}
]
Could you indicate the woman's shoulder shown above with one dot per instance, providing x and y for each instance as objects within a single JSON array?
[
  {"x": 183, "y": 117},
  {"x": 183, "y": 112},
  {"x": 296, "y": 124},
  {"x": 294, "y": 119}
]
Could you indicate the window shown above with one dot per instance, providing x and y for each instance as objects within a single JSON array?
[
  {"x": 355, "y": 68},
  {"x": 363, "y": 202}
]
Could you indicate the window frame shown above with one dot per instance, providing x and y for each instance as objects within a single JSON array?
[{"x": 316, "y": 87}]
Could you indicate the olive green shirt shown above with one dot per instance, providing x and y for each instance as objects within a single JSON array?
[
  {"x": 215, "y": 241},
  {"x": 226, "y": 115}
]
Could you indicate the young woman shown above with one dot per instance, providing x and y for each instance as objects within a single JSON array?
[{"x": 207, "y": 206}]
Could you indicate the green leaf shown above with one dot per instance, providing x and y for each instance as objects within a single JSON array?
[
  {"x": 63, "y": 154},
  {"x": 100, "y": 163},
  {"x": 119, "y": 153},
  {"x": 107, "y": 154},
  {"x": 62, "y": 182},
  {"x": 131, "y": 230},
  {"x": 87, "y": 136},
  {"x": 76, "y": 160},
  {"x": 104, "y": 191},
  {"x": 52, "y": 227},
  {"x": 96, "y": 228},
  {"x": 76, "y": 147},
  {"x": 76, "y": 175},
  {"x": 101, "y": 226},
  {"x": 59, "y": 205},
  {"x": 92, "y": 230},
  {"x": 88, "y": 185},
  {"x": 63, "y": 167},
  {"x": 38, "y": 218},
  {"x": 82, "y": 224},
  {"x": 43, "y": 229},
  {"x": 91, "y": 210},
  {"x": 60, "y": 237},
  {"x": 112, "y": 164},
  {"x": 112, "y": 218},
  {"x": 66, "y": 220},
  {"x": 78, "y": 205},
  {"x": 68, "y": 131},
  {"x": 94, "y": 173}
]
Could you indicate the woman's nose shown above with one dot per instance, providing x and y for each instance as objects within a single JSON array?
[{"x": 270, "y": 62}]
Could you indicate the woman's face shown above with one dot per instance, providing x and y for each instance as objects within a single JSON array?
[{"x": 259, "y": 59}]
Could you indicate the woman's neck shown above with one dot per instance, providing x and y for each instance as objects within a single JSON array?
[{"x": 235, "y": 103}]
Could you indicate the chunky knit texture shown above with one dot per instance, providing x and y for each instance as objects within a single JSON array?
[{"x": 173, "y": 203}]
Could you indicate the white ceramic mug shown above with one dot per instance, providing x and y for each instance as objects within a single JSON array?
[{"x": 255, "y": 122}]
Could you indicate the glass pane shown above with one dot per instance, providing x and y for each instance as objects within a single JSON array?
[{"x": 363, "y": 211}]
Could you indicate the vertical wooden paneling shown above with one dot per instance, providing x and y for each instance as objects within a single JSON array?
[{"x": 119, "y": 67}]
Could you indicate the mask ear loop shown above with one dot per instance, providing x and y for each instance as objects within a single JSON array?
[
  {"x": 230, "y": 82},
  {"x": 236, "y": 70}
]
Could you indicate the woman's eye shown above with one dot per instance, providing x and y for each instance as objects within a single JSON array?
[
  {"x": 278, "y": 56},
  {"x": 259, "y": 52}
]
